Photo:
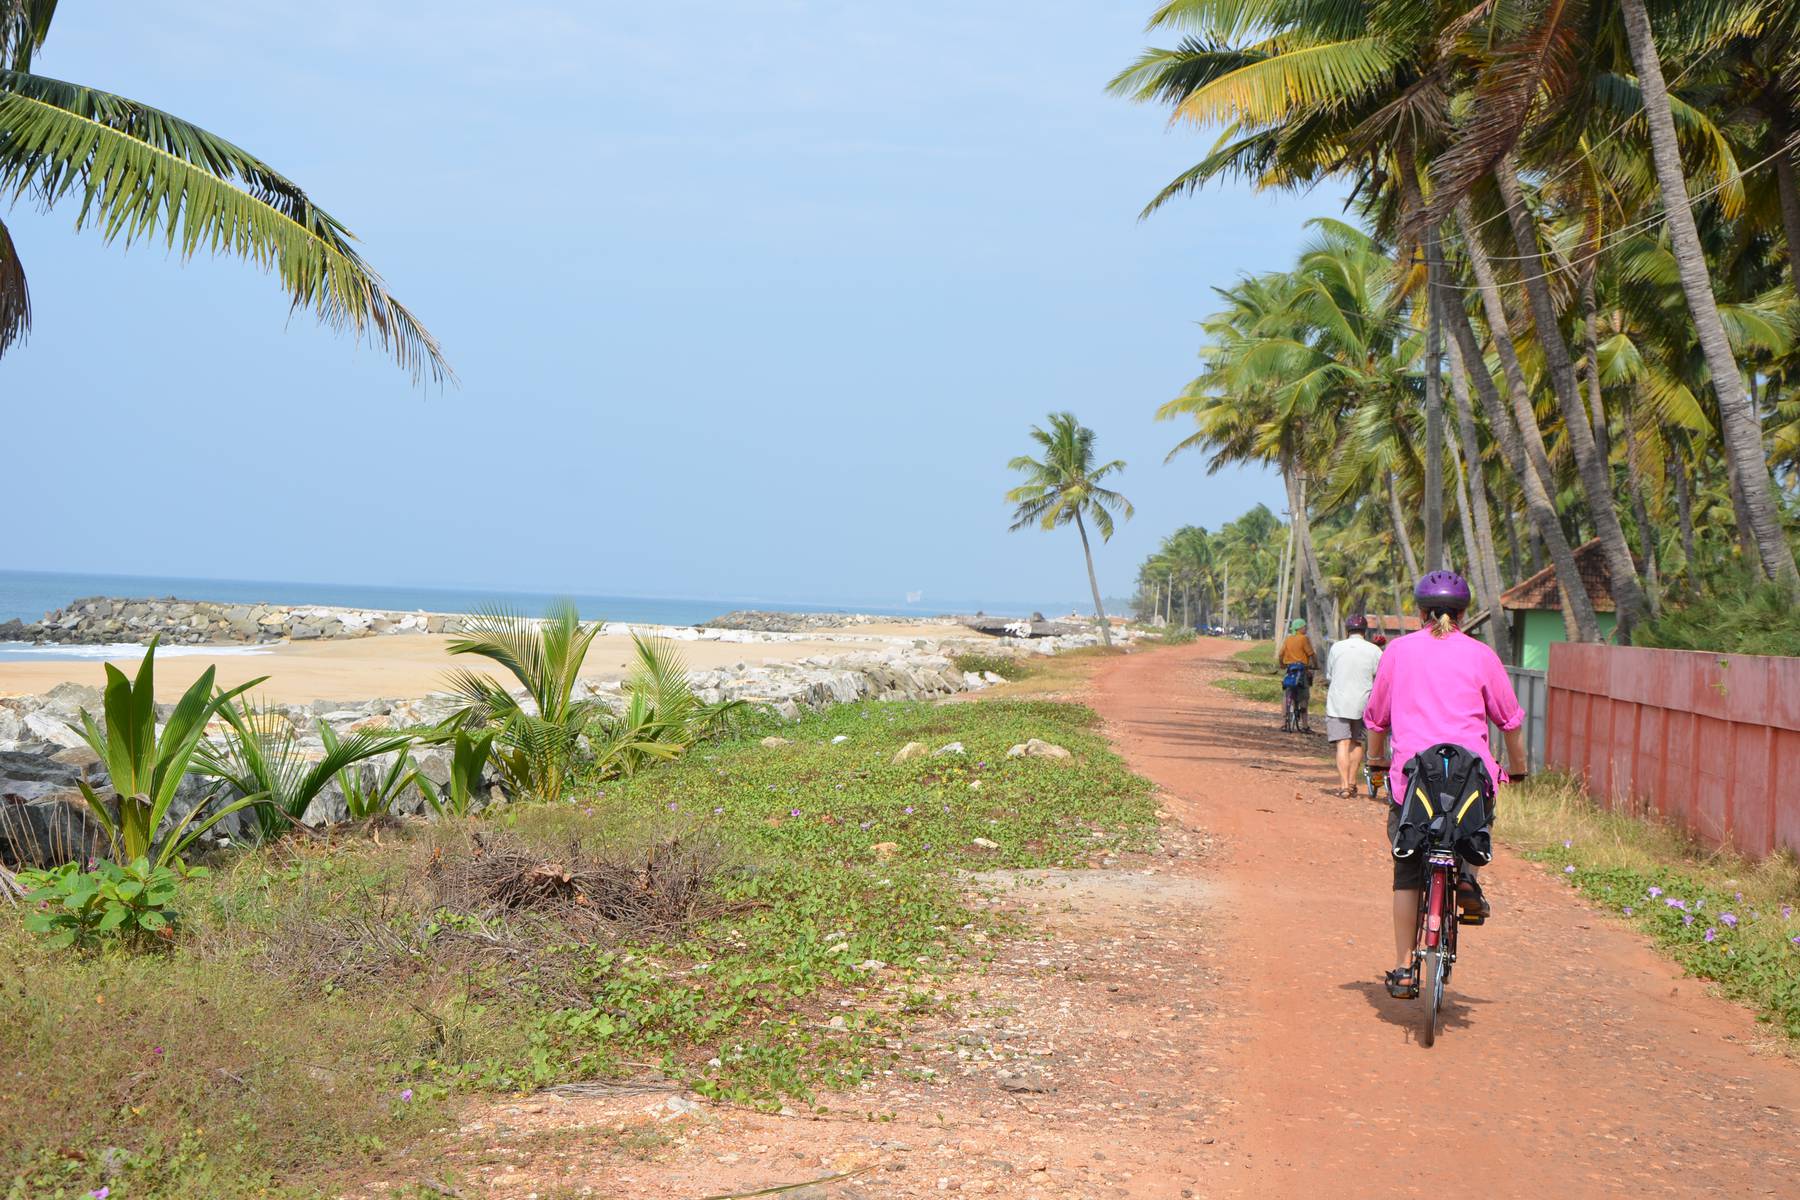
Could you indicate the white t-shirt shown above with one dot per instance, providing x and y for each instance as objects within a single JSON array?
[{"x": 1350, "y": 670}]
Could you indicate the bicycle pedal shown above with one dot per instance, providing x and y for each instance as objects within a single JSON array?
[{"x": 1470, "y": 919}]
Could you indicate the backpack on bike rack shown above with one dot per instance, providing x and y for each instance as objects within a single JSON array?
[
  {"x": 1295, "y": 676},
  {"x": 1449, "y": 801}
]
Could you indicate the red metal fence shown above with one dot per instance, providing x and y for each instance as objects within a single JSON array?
[{"x": 1710, "y": 742}]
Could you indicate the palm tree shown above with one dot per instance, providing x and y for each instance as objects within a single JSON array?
[
  {"x": 1064, "y": 485},
  {"x": 137, "y": 172},
  {"x": 1738, "y": 419},
  {"x": 537, "y": 739}
]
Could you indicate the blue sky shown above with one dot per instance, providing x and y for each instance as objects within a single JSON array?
[{"x": 747, "y": 297}]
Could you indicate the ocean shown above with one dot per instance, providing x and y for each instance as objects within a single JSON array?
[{"x": 28, "y": 595}]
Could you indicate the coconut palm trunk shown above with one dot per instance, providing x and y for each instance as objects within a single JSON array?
[
  {"x": 1787, "y": 187},
  {"x": 1592, "y": 469},
  {"x": 1316, "y": 595},
  {"x": 1484, "y": 555},
  {"x": 1087, "y": 552},
  {"x": 1402, "y": 540},
  {"x": 1434, "y": 411},
  {"x": 1740, "y": 429},
  {"x": 1538, "y": 506}
]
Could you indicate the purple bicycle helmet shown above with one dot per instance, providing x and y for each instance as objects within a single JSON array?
[{"x": 1443, "y": 589}]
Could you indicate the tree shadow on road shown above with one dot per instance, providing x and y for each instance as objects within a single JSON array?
[{"x": 1410, "y": 1014}]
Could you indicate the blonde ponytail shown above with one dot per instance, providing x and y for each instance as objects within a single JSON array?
[{"x": 1443, "y": 626}]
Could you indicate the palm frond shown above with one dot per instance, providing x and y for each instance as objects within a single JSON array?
[
  {"x": 15, "y": 296},
  {"x": 140, "y": 172},
  {"x": 24, "y": 24}
]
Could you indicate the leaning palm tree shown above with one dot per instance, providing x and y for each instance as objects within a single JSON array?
[
  {"x": 134, "y": 172},
  {"x": 537, "y": 738},
  {"x": 1063, "y": 485}
]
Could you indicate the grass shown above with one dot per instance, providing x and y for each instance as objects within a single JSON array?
[
  {"x": 1266, "y": 689},
  {"x": 1010, "y": 667},
  {"x": 1639, "y": 870},
  {"x": 1258, "y": 658},
  {"x": 319, "y": 1011}
]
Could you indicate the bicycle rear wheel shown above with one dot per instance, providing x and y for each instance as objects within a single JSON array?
[{"x": 1432, "y": 985}]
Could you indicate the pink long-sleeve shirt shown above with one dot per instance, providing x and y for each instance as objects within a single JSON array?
[{"x": 1430, "y": 690}]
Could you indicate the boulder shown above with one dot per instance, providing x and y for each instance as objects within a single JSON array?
[
  {"x": 948, "y": 748},
  {"x": 43, "y": 727},
  {"x": 1038, "y": 748},
  {"x": 910, "y": 751},
  {"x": 775, "y": 743}
]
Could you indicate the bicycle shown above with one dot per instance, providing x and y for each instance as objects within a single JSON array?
[
  {"x": 1296, "y": 692},
  {"x": 1434, "y": 951}
]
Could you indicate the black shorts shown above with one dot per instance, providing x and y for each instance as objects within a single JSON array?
[{"x": 1409, "y": 872}]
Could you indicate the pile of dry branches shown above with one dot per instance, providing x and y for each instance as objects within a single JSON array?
[{"x": 652, "y": 892}]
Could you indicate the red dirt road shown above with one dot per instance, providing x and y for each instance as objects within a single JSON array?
[{"x": 1575, "y": 1062}]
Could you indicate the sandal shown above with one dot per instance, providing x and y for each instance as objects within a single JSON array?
[
  {"x": 1470, "y": 901},
  {"x": 1403, "y": 983}
]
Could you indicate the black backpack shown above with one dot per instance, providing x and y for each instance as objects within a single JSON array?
[{"x": 1449, "y": 802}]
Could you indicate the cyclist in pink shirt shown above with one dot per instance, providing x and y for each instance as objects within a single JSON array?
[{"x": 1437, "y": 685}]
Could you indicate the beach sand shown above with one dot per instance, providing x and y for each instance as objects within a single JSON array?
[{"x": 409, "y": 665}]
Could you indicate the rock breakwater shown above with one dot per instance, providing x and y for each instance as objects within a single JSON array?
[{"x": 103, "y": 620}]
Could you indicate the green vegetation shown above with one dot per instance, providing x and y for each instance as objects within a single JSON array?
[
  {"x": 1601, "y": 259},
  {"x": 1729, "y": 619},
  {"x": 1258, "y": 658},
  {"x": 1010, "y": 667},
  {"x": 1720, "y": 917},
  {"x": 324, "y": 998},
  {"x": 136, "y": 172},
  {"x": 1266, "y": 689},
  {"x": 263, "y": 758},
  {"x": 1063, "y": 487},
  {"x": 542, "y": 744},
  {"x": 76, "y": 908},
  {"x": 536, "y": 746},
  {"x": 145, "y": 767}
]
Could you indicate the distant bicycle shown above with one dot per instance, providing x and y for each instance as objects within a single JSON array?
[{"x": 1296, "y": 694}]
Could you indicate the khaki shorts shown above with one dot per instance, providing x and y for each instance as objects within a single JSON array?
[{"x": 1345, "y": 729}]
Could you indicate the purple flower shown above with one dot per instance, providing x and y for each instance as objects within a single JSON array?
[
  {"x": 793, "y": 812},
  {"x": 1711, "y": 934},
  {"x": 1787, "y": 912},
  {"x": 1628, "y": 910},
  {"x": 983, "y": 763},
  {"x": 1654, "y": 891},
  {"x": 1570, "y": 870},
  {"x": 406, "y": 1096},
  {"x": 1795, "y": 939},
  {"x": 1672, "y": 902},
  {"x": 866, "y": 824},
  {"x": 156, "y": 1050},
  {"x": 927, "y": 845},
  {"x": 674, "y": 807},
  {"x": 718, "y": 812},
  {"x": 1700, "y": 904},
  {"x": 1740, "y": 897},
  {"x": 909, "y": 810},
  {"x": 1567, "y": 843},
  {"x": 1728, "y": 920},
  {"x": 1688, "y": 919},
  {"x": 100, "y": 1193}
]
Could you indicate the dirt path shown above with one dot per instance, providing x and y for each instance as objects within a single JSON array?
[
  {"x": 1586, "y": 1064},
  {"x": 1208, "y": 1022}
]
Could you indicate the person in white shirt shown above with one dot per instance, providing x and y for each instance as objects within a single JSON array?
[{"x": 1349, "y": 676}]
